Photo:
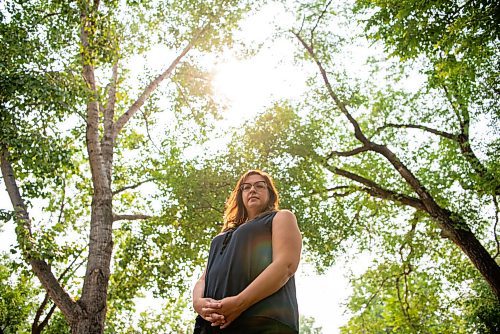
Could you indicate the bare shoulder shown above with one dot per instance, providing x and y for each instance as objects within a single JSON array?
[
  {"x": 286, "y": 229},
  {"x": 285, "y": 216}
]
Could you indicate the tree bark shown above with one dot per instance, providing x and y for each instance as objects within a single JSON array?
[
  {"x": 95, "y": 286},
  {"x": 462, "y": 236},
  {"x": 454, "y": 228}
]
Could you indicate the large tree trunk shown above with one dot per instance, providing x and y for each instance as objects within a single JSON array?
[
  {"x": 95, "y": 286},
  {"x": 452, "y": 226},
  {"x": 462, "y": 236}
]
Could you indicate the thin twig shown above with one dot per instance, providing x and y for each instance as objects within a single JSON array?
[
  {"x": 63, "y": 201},
  {"x": 43, "y": 18},
  {"x": 148, "y": 133},
  {"x": 133, "y": 186},
  {"x": 452, "y": 104},
  {"x": 317, "y": 23},
  {"x": 495, "y": 227}
]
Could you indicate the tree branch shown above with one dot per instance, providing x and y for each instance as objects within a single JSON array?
[
  {"x": 107, "y": 142},
  {"x": 420, "y": 127},
  {"x": 452, "y": 224},
  {"x": 38, "y": 328},
  {"x": 357, "y": 129},
  {"x": 130, "y": 217},
  {"x": 372, "y": 297},
  {"x": 349, "y": 191},
  {"x": 405, "y": 307},
  {"x": 315, "y": 192},
  {"x": 464, "y": 143},
  {"x": 185, "y": 99},
  {"x": 35, "y": 326},
  {"x": 63, "y": 274},
  {"x": 133, "y": 186},
  {"x": 348, "y": 153},
  {"x": 453, "y": 105},
  {"x": 109, "y": 110},
  {"x": 146, "y": 122},
  {"x": 99, "y": 176},
  {"x": 378, "y": 191},
  {"x": 323, "y": 12},
  {"x": 430, "y": 205},
  {"x": 46, "y": 16},
  {"x": 395, "y": 197},
  {"x": 63, "y": 201},
  {"x": 211, "y": 207},
  {"x": 120, "y": 123},
  {"x": 42, "y": 270}
]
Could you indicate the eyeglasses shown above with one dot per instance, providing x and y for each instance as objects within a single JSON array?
[{"x": 258, "y": 186}]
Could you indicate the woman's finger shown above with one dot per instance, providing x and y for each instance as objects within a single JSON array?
[{"x": 213, "y": 305}]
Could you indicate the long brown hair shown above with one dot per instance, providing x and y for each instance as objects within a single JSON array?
[{"x": 235, "y": 212}]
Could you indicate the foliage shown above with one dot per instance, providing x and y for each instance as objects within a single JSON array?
[
  {"x": 16, "y": 299},
  {"x": 57, "y": 324},
  {"x": 307, "y": 326},
  {"x": 397, "y": 298},
  {"x": 164, "y": 316},
  {"x": 482, "y": 309}
]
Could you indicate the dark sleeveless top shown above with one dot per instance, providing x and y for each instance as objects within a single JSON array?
[{"x": 237, "y": 257}]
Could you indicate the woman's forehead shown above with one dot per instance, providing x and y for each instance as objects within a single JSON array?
[{"x": 254, "y": 178}]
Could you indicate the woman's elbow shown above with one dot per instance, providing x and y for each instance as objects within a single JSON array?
[{"x": 289, "y": 268}]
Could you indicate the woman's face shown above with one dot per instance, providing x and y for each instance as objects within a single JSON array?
[{"x": 255, "y": 194}]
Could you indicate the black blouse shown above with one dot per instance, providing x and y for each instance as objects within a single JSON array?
[{"x": 237, "y": 257}]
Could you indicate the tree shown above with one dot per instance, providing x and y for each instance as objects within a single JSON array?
[
  {"x": 44, "y": 93},
  {"x": 414, "y": 192}
]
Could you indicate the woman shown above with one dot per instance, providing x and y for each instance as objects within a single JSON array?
[{"x": 248, "y": 285}]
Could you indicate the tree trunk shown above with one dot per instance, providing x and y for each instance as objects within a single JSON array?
[
  {"x": 460, "y": 234},
  {"x": 95, "y": 286},
  {"x": 453, "y": 227}
]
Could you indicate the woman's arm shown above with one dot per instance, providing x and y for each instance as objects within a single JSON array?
[
  {"x": 287, "y": 246},
  {"x": 200, "y": 303}
]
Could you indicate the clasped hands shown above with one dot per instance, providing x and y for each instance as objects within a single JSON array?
[{"x": 219, "y": 312}]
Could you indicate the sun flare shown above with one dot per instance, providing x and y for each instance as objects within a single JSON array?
[
  {"x": 247, "y": 87},
  {"x": 242, "y": 87}
]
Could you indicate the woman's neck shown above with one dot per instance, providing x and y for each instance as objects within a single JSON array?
[{"x": 252, "y": 217}]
